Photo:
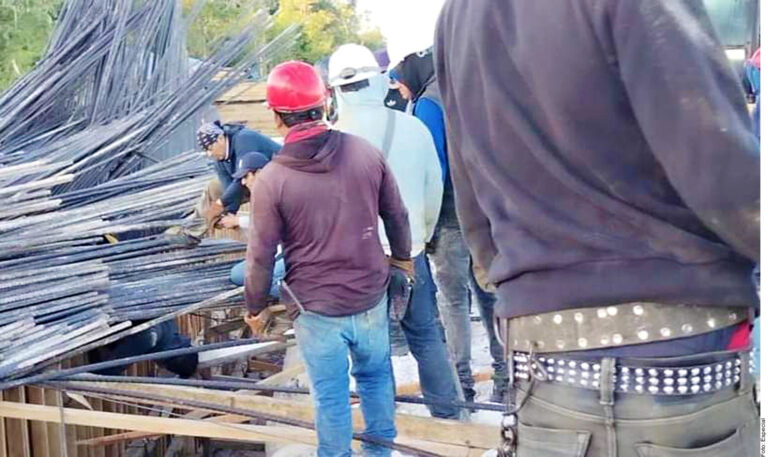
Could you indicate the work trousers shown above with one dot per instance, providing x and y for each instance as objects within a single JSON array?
[
  {"x": 565, "y": 421},
  {"x": 326, "y": 344},
  {"x": 453, "y": 276}
]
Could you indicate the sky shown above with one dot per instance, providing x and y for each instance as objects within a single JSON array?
[{"x": 395, "y": 17}]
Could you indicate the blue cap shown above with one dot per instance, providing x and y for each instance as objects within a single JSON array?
[{"x": 251, "y": 161}]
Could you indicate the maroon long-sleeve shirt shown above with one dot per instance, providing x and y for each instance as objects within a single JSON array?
[{"x": 321, "y": 197}]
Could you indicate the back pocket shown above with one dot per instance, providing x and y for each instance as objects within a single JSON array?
[
  {"x": 548, "y": 442},
  {"x": 742, "y": 443}
]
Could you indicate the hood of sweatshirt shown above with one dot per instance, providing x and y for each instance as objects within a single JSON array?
[{"x": 317, "y": 153}]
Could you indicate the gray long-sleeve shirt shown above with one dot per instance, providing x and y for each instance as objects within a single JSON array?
[{"x": 601, "y": 152}]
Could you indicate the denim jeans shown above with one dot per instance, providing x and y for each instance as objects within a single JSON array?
[
  {"x": 326, "y": 344},
  {"x": 426, "y": 343},
  {"x": 237, "y": 276},
  {"x": 564, "y": 421},
  {"x": 454, "y": 278}
]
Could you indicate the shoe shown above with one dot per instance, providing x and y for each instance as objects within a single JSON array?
[
  {"x": 469, "y": 397},
  {"x": 499, "y": 394},
  {"x": 183, "y": 239}
]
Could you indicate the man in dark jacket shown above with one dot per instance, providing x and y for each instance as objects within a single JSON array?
[
  {"x": 607, "y": 180},
  {"x": 321, "y": 198},
  {"x": 225, "y": 143}
]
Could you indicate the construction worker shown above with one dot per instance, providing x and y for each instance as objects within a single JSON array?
[
  {"x": 321, "y": 198},
  {"x": 359, "y": 87},
  {"x": 415, "y": 78},
  {"x": 247, "y": 168},
  {"x": 225, "y": 144},
  {"x": 607, "y": 180},
  {"x": 159, "y": 338}
]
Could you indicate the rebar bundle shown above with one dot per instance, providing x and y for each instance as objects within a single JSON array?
[{"x": 92, "y": 145}]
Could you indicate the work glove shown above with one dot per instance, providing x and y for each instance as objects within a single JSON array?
[
  {"x": 399, "y": 291},
  {"x": 482, "y": 279},
  {"x": 406, "y": 266},
  {"x": 259, "y": 323}
]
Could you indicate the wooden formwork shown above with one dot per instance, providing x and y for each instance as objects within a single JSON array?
[{"x": 24, "y": 438}]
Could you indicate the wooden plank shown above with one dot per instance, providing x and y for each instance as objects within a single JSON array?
[
  {"x": 414, "y": 388},
  {"x": 260, "y": 365},
  {"x": 97, "y": 432},
  {"x": 3, "y": 432},
  {"x": 203, "y": 429},
  {"x": 51, "y": 398},
  {"x": 127, "y": 436},
  {"x": 419, "y": 428},
  {"x": 18, "y": 429},
  {"x": 38, "y": 430},
  {"x": 284, "y": 376}
]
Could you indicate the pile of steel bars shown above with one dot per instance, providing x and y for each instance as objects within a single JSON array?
[{"x": 92, "y": 150}]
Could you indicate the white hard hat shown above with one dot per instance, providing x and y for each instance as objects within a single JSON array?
[{"x": 351, "y": 63}]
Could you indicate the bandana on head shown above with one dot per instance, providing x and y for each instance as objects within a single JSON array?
[{"x": 208, "y": 133}]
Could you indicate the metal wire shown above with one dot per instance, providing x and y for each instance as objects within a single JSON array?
[
  {"x": 239, "y": 411},
  {"x": 251, "y": 385}
]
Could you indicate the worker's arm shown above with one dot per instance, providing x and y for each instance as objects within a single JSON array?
[
  {"x": 263, "y": 238},
  {"x": 433, "y": 188},
  {"x": 232, "y": 196},
  {"x": 394, "y": 214},
  {"x": 692, "y": 111},
  {"x": 431, "y": 115}
]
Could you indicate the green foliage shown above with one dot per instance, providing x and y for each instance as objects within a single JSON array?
[
  {"x": 25, "y": 26},
  {"x": 220, "y": 19},
  {"x": 24, "y": 29},
  {"x": 325, "y": 24}
]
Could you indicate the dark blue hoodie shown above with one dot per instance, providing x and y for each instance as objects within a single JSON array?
[{"x": 241, "y": 141}]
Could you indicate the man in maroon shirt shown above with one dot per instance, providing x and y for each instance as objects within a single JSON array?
[{"x": 321, "y": 197}]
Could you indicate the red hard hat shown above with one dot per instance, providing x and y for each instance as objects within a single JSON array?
[{"x": 294, "y": 86}]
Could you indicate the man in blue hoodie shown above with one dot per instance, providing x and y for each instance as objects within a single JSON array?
[{"x": 415, "y": 78}]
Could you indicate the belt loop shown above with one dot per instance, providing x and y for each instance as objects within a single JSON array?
[
  {"x": 607, "y": 399},
  {"x": 607, "y": 382},
  {"x": 745, "y": 375}
]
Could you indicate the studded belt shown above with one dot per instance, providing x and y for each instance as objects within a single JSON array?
[
  {"x": 617, "y": 325},
  {"x": 689, "y": 380}
]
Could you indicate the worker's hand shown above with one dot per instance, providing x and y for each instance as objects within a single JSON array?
[
  {"x": 398, "y": 293},
  {"x": 405, "y": 265},
  {"x": 214, "y": 211},
  {"x": 258, "y": 323},
  {"x": 482, "y": 278},
  {"x": 230, "y": 221}
]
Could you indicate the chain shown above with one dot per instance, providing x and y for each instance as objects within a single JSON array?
[{"x": 509, "y": 435}]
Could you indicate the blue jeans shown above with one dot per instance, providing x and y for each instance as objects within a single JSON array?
[
  {"x": 237, "y": 276},
  {"x": 426, "y": 343},
  {"x": 325, "y": 344},
  {"x": 455, "y": 282}
]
